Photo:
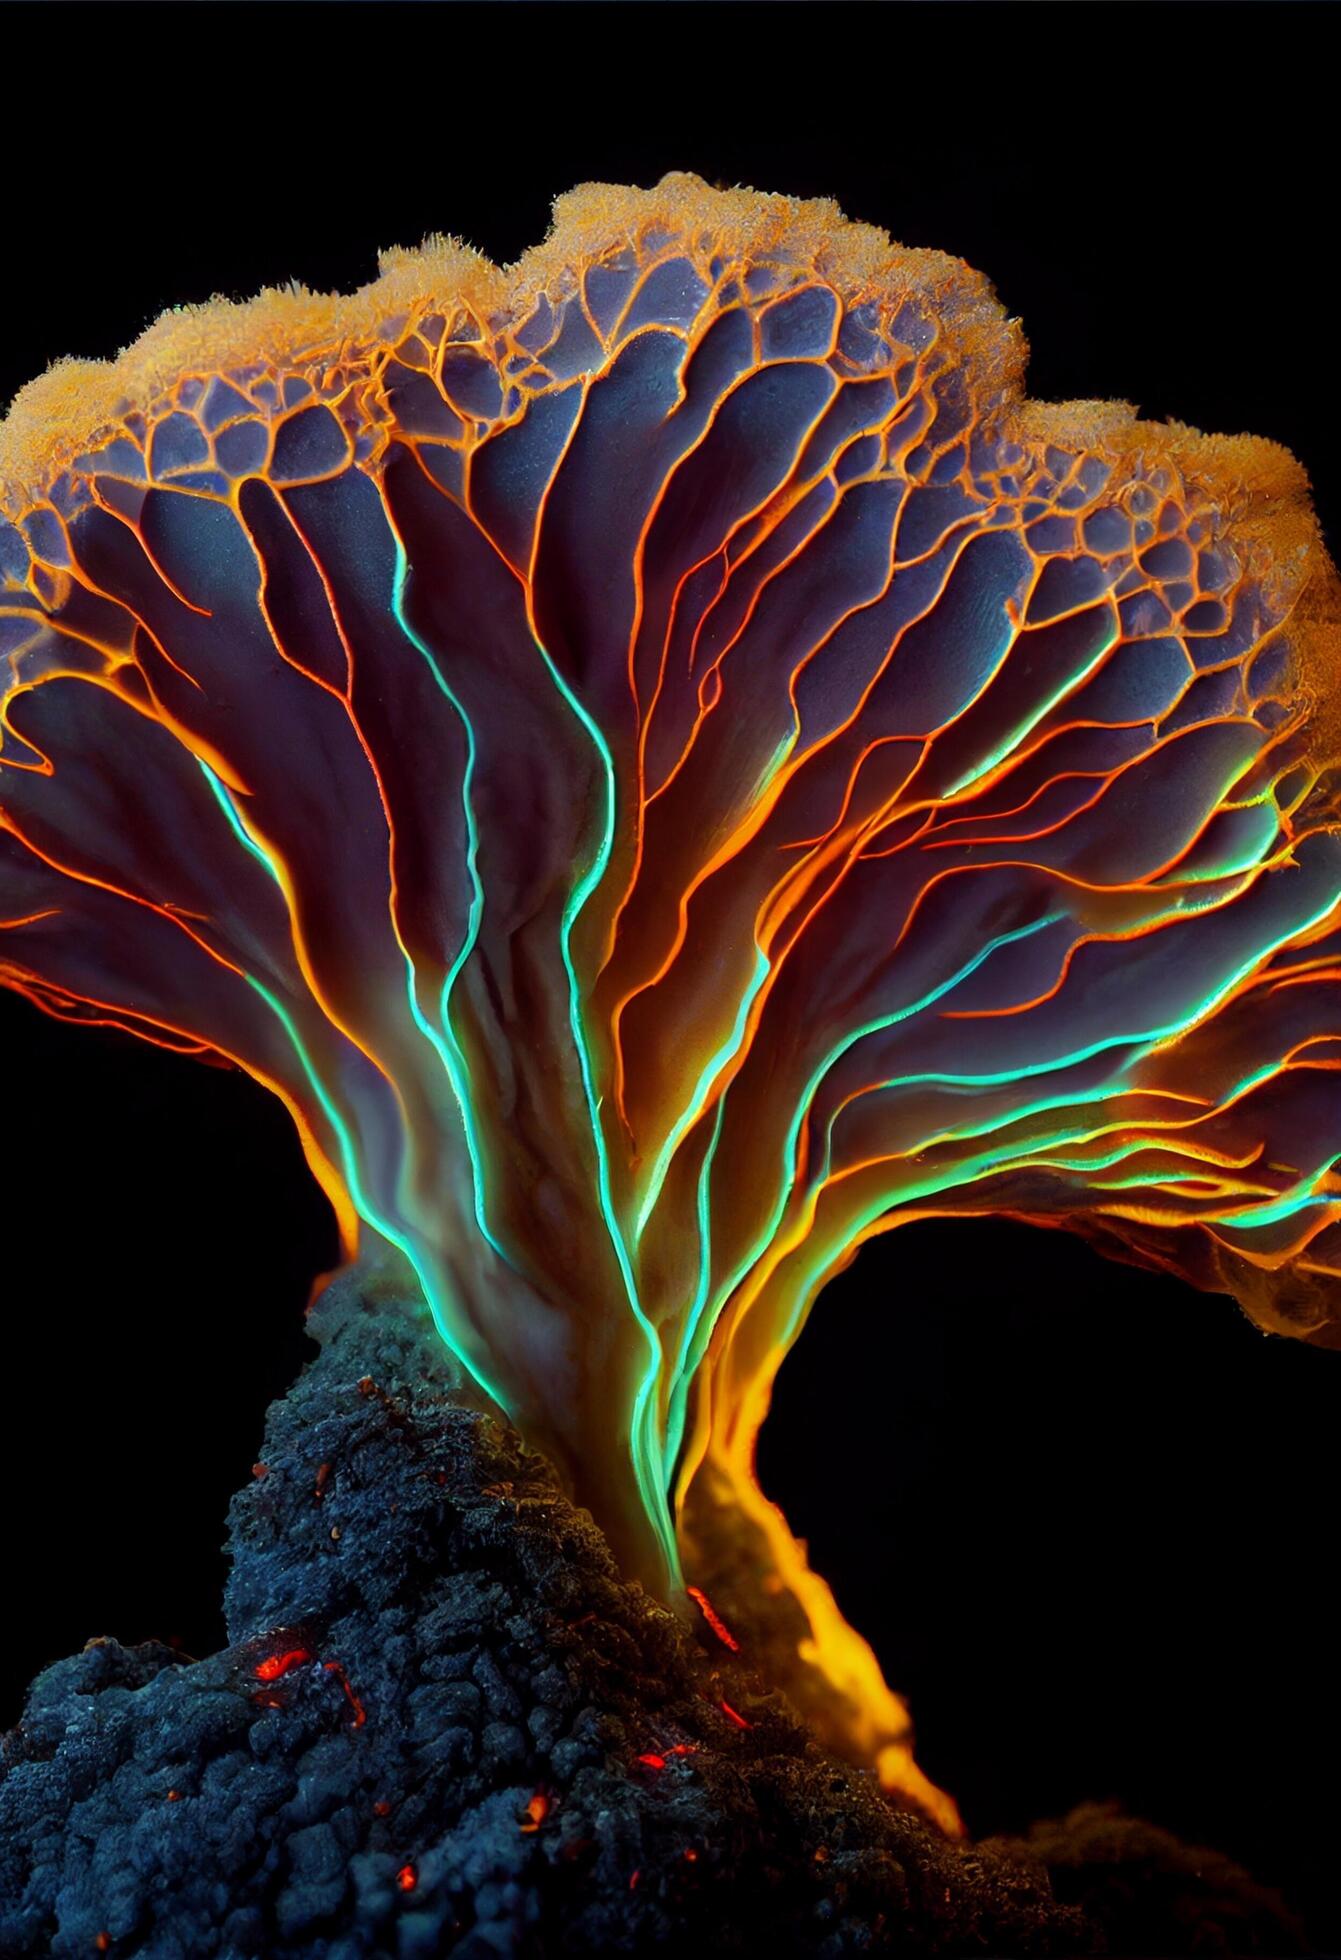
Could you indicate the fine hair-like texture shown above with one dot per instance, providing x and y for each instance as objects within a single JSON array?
[{"x": 670, "y": 767}]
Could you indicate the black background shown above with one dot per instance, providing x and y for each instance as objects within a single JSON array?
[{"x": 1086, "y": 1515}]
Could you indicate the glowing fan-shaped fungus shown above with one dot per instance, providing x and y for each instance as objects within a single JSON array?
[{"x": 670, "y": 767}]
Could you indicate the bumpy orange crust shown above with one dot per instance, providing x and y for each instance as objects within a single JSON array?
[
  {"x": 57, "y": 416},
  {"x": 1257, "y": 483}
]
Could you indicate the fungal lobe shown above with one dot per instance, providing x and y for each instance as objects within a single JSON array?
[{"x": 670, "y": 767}]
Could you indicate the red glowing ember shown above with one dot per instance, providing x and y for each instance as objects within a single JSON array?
[
  {"x": 714, "y": 1618},
  {"x": 275, "y": 1666},
  {"x": 360, "y": 1715}
]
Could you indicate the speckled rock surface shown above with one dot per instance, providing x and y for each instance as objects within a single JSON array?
[{"x": 443, "y": 1724}]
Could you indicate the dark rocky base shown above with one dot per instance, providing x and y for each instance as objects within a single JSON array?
[{"x": 444, "y": 1725}]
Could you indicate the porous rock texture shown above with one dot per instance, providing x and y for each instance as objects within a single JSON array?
[{"x": 443, "y": 1724}]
